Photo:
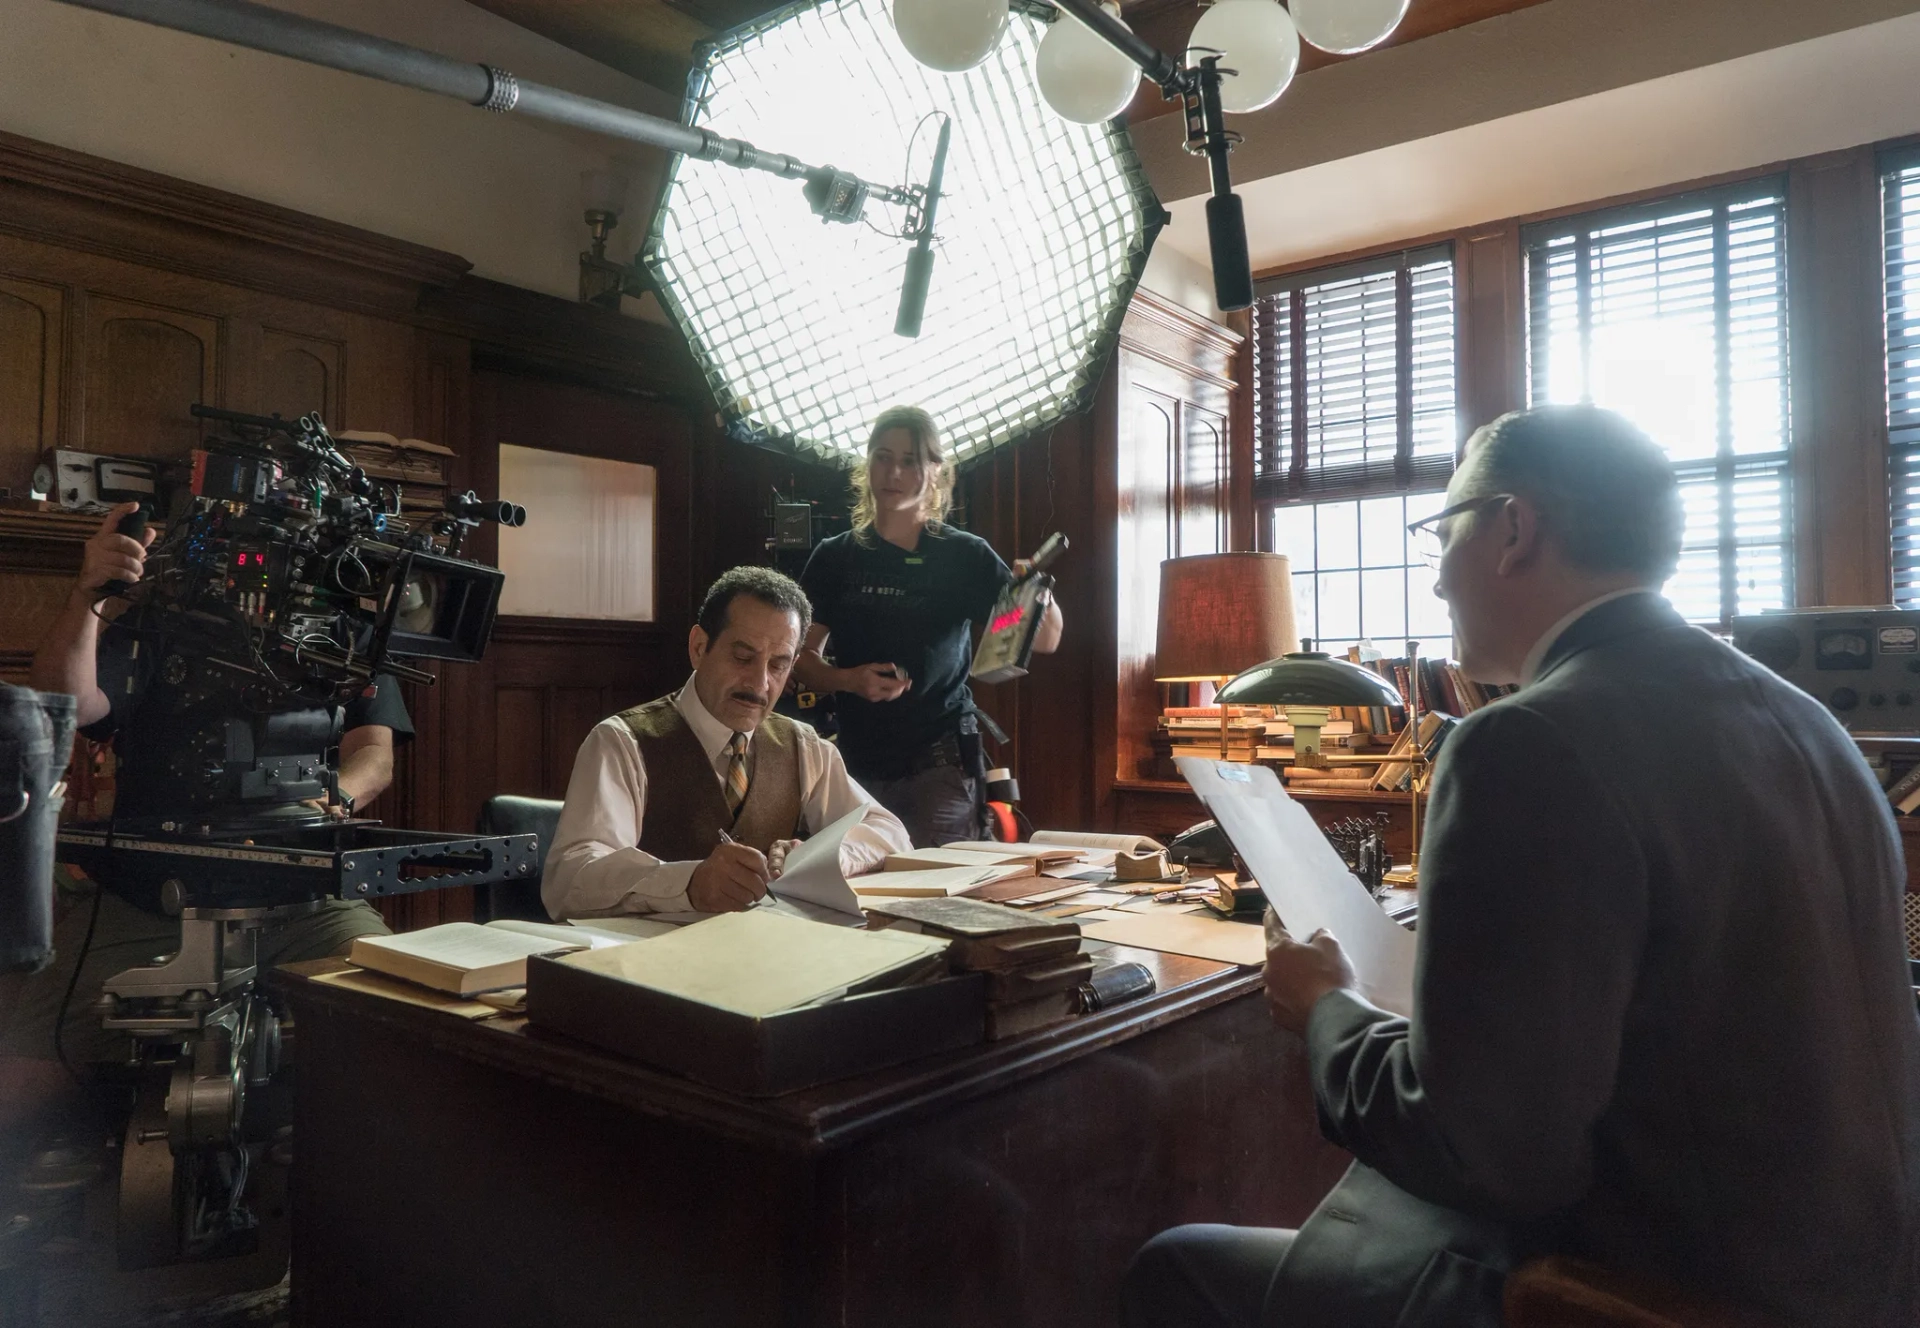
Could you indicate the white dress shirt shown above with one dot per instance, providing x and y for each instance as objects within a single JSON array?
[
  {"x": 595, "y": 868},
  {"x": 1538, "y": 655}
]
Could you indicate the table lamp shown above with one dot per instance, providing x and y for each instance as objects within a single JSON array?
[
  {"x": 1220, "y": 612},
  {"x": 1312, "y": 678}
]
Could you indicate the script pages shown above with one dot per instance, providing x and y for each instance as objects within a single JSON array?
[{"x": 1303, "y": 878}]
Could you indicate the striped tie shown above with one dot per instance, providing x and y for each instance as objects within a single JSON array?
[{"x": 736, "y": 772}]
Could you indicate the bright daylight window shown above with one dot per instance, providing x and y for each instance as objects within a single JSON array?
[
  {"x": 1041, "y": 237},
  {"x": 1354, "y": 436},
  {"x": 1675, "y": 315},
  {"x": 1900, "y": 183},
  {"x": 590, "y": 551}
]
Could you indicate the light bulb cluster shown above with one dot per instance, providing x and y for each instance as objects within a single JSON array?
[{"x": 1085, "y": 80}]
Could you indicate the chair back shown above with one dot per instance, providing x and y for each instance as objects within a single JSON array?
[
  {"x": 1558, "y": 1292},
  {"x": 509, "y": 815}
]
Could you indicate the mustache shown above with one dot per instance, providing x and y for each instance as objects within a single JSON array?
[{"x": 751, "y": 698}]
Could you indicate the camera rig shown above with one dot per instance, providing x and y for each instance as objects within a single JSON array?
[{"x": 284, "y": 582}]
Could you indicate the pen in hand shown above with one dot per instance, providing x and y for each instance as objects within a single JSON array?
[{"x": 726, "y": 838}]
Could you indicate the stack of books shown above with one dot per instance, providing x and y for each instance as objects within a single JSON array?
[
  {"x": 414, "y": 467},
  {"x": 1034, "y": 965},
  {"x": 1195, "y": 731}
]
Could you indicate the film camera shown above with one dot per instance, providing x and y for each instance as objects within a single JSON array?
[{"x": 284, "y": 581}]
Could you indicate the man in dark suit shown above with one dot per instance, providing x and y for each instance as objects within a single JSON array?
[{"x": 1662, "y": 1015}]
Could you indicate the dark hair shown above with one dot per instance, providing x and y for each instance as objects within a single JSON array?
[
  {"x": 1605, "y": 488},
  {"x": 764, "y": 584}
]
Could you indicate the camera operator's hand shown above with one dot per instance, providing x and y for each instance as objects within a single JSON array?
[
  {"x": 732, "y": 877},
  {"x": 878, "y": 682},
  {"x": 111, "y": 556}
]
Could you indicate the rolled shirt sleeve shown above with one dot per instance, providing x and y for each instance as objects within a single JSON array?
[{"x": 596, "y": 869}]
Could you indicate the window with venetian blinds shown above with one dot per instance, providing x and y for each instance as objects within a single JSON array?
[
  {"x": 1354, "y": 436},
  {"x": 1675, "y": 314},
  {"x": 1900, "y": 189}
]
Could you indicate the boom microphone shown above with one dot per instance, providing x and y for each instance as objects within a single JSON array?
[{"x": 913, "y": 290}]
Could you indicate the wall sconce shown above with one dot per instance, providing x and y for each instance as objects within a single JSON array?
[{"x": 603, "y": 281}]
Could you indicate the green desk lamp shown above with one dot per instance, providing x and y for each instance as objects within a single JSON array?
[{"x": 1308, "y": 680}]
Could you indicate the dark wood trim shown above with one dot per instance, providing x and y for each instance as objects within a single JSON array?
[
  {"x": 584, "y": 632},
  {"x": 1242, "y": 510},
  {"x": 1837, "y": 352},
  {"x": 523, "y": 331},
  {"x": 1524, "y": 219},
  {"x": 1176, "y": 336},
  {"x": 831, "y": 1116},
  {"x": 67, "y": 198}
]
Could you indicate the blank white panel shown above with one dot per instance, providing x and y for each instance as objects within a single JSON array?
[{"x": 587, "y": 550}]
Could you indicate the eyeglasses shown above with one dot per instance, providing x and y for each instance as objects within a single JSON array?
[{"x": 1430, "y": 533}]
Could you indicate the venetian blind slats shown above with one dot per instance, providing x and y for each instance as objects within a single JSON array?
[
  {"x": 1354, "y": 380},
  {"x": 1900, "y": 185},
  {"x": 1675, "y": 314}
]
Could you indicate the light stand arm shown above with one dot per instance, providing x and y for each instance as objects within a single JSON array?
[
  {"x": 241, "y": 23},
  {"x": 1198, "y": 89}
]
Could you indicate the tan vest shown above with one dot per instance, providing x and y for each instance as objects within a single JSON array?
[{"x": 686, "y": 807}]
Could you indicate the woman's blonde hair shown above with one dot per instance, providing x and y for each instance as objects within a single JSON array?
[{"x": 937, "y": 499}]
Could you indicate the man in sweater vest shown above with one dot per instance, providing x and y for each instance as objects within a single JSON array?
[{"x": 690, "y": 802}]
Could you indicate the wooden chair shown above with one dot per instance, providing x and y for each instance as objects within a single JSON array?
[{"x": 1558, "y": 1292}]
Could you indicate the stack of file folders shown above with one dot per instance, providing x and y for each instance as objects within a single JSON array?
[{"x": 1034, "y": 966}]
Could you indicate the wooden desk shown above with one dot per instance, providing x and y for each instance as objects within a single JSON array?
[{"x": 452, "y": 1173}]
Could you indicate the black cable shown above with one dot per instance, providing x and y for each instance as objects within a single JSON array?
[{"x": 66, "y": 999}]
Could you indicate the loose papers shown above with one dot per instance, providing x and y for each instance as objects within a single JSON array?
[{"x": 1302, "y": 877}]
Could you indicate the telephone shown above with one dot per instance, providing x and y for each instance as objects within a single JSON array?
[{"x": 1202, "y": 845}]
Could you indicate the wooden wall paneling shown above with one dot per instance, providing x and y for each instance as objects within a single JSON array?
[
  {"x": 1242, "y": 532},
  {"x": 1147, "y": 518},
  {"x": 520, "y": 735},
  {"x": 33, "y": 334},
  {"x": 1491, "y": 325},
  {"x": 1838, "y": 356},
  {"x": 145, "y": 364},
  {"x": 1172, "y": 496},
  {"x": 300, "y": 375}
]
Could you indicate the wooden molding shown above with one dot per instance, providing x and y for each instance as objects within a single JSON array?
[
  {"x": 59, "y": 196},
  {"x": 583, "y": 632},
  {"x": 521, "y": 329},
  {"x": 1175, "y": 335}
]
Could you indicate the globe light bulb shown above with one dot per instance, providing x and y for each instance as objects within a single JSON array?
[
  {"x": 1257, "y": 41},
  {"x": 949, "y": 35},
  {"x": 1081, "y": 77},
  {"x": 1347, "y": 27}
]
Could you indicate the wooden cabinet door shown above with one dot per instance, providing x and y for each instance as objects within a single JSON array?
[
  {"x": 32, "y": 351},
  {"x": 145, "y": 365}
]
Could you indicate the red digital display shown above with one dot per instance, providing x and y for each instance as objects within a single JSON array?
[
  {"x": 245, "y": 559},
  {"x": 1011, "y": 618}
]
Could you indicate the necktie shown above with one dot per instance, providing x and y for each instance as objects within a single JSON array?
[{"x": 736, "y": 788}]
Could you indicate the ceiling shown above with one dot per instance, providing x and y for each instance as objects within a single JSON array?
[{"x": 653, "y": 40}]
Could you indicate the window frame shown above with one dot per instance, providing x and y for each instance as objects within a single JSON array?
[
  {"x": 1292, "y": 486},
  {"x": 1726, "y": 467}
]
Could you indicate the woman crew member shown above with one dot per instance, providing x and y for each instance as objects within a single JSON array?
[{"x": 896, "y": 595}]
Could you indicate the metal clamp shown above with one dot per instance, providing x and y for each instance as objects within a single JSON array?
[{"x": 503, "y": 90}]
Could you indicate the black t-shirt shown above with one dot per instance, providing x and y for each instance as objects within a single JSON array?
[
  {"x": 882, "y": 604},
  {"x": 170, "y": 716}
]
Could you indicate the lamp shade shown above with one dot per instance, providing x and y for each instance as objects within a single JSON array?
[
  {"x": 1310, "y": 678},
  {"x": 1220, "y": 612}
]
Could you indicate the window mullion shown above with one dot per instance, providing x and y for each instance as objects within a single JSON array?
[{"x": 1723, "y": 412}]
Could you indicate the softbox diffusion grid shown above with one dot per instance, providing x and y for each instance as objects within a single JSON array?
[{"x": 1044, "y": 229}]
